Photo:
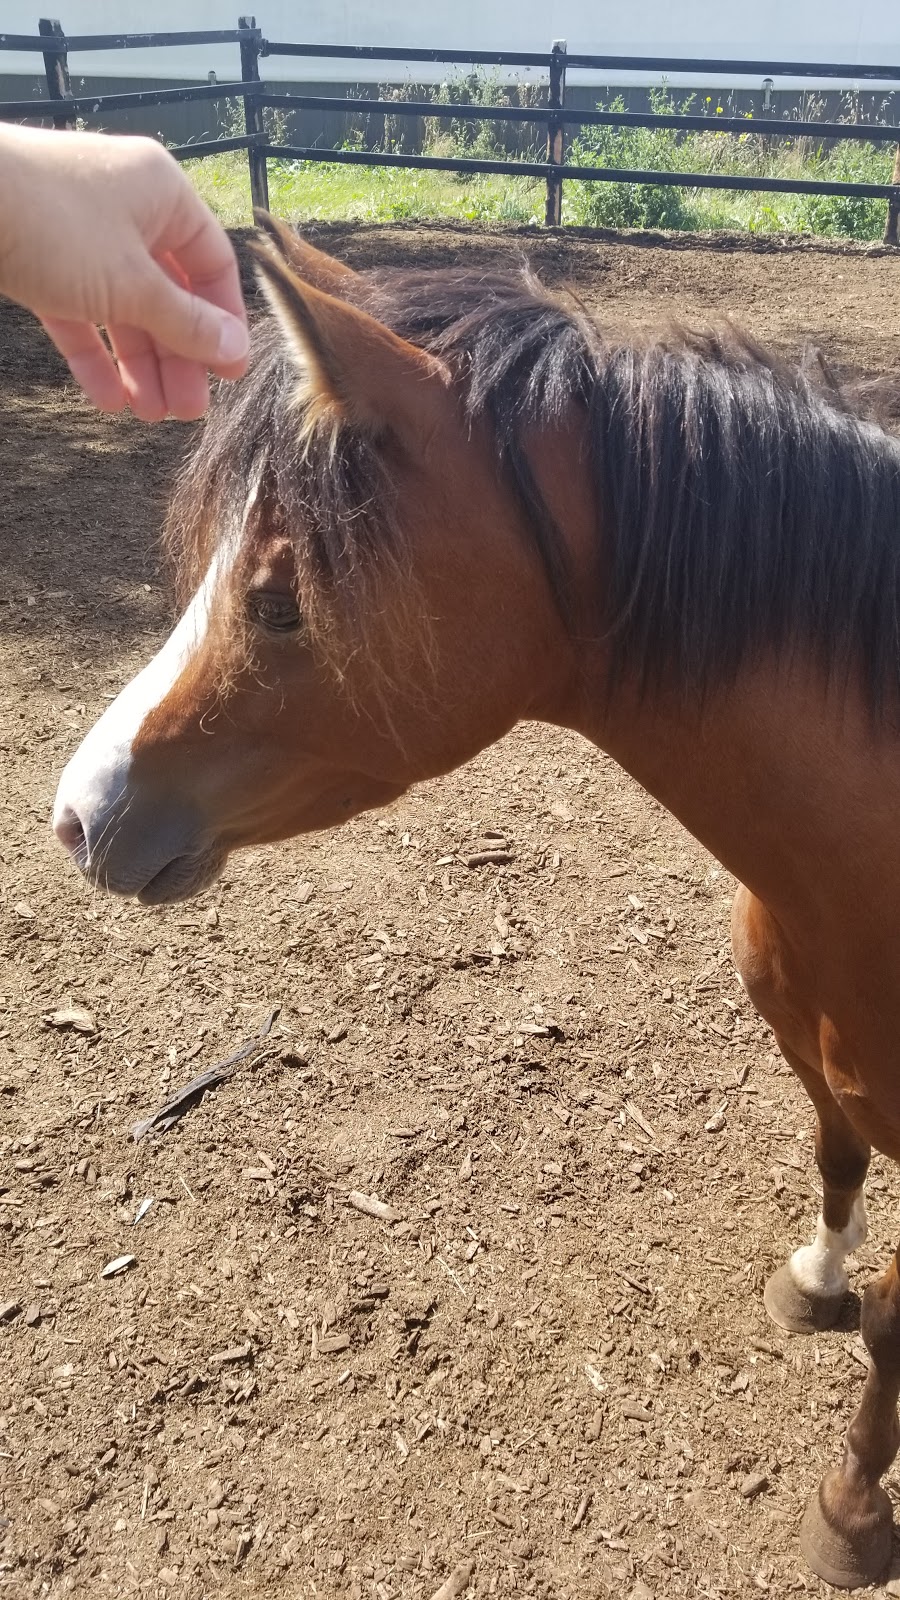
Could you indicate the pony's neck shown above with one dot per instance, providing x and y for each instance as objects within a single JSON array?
[
  {"x": 765, "y": 773},
  {"x": 761, "y": 774}
]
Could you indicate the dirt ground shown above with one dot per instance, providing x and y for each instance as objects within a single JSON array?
[{"x": 552, "y": 1360}]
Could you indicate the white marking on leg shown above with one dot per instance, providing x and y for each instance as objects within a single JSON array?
[{"x": 818, "y": 1268}]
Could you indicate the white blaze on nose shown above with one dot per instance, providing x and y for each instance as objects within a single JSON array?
[
  {"x": 96, "y": 779},
  {"x": 97, "y": 774}
]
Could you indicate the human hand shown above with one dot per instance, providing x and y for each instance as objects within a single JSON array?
[{"x": 101, "y": 229}]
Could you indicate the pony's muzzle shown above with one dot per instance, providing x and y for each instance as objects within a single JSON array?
[
  {"x": 126, "y": 838},
  {"x": 137, "y": 851},
  {"x": 92, "y": 835}
]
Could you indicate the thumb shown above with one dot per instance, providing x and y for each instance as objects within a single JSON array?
[{"x": 190, "y": 326}]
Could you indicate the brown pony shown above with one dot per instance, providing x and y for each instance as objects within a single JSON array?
[{"x": 442, "y": 502}]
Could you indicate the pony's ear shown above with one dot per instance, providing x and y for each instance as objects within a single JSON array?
[
  {"x": 351, "y": 367},
  {"x": 310, "y": 264}
]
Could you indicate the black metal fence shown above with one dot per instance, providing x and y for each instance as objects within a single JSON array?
[{"x": 64, "y": 107}]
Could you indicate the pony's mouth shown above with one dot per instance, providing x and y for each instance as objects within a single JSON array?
[{"x": 185, "y": 876}]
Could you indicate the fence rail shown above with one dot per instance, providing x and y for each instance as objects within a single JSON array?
[
  {"x": 64, "y": 43},
  {"x": 63, "y": 107}
]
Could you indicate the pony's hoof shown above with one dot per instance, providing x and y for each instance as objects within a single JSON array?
[
  {"x": 848, "y": 1560},
  {"x": 798, "y": 1312}
]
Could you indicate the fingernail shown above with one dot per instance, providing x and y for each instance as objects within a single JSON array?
[{"x": 234, "y": 341}]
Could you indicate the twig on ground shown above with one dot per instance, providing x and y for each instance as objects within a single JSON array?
[
  {"x": 169, "y": 1112},
  {"x": 458, "y": 1581},
  {"x": 371, "y": 1206}
]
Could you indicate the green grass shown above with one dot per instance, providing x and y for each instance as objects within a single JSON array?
[
  {"x": 327, "y": 191},
  {"x": 714, "y": 151}
]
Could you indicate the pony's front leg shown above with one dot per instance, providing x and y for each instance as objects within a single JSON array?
[
  {"x": 807, "y": 1293},
  {"x": 846, "y": 1534}
]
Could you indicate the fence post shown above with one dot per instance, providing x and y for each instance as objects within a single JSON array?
[
  {"x": 253, "y": 122},
  {"x": 556, "y": 132},
  {"x": 56, "y": 66},
  {"x": 893, "y": 210}
]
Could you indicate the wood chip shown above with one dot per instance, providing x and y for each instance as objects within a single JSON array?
[
  {"x": 457, "y": 1583},
  {"x": 753, "y": 1484},
  {"x": 636, "y": 1411},
  {"x": 766, "y": 1348},
  {"x": 119, "y": 1264},
  {"x": 595, "y": 1427},
  {"x": 331, "y": 1343},
  {"x": 858, "y": 1351},
  {"x": 635, "y": 1283},
  {"x": 9, "y": 1309},
  {"x": 235, "y": 1352},
  {"x": 637, "y": 1115},
  {"x": 371, "y": 1206},
  {"x": 582, "y": 1511},
  {"x": 76, "y": 1017}
]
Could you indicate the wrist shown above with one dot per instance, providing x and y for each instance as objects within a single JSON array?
[
  {"x": 29, "y": 163},
  {"x": 16, "y": 145}
]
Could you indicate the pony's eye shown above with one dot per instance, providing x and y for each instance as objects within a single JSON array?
[{"x": 279, "y": 613}]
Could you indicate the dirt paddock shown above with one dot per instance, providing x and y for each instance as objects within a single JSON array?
[{"x": 552, "y": 1359}]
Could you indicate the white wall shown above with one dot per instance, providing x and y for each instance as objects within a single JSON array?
[{"x": 867, "y": 31}]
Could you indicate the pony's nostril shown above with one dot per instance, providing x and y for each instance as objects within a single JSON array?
[{"x": 68, "y": 829}]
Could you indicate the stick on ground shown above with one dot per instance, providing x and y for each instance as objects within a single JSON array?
[
  {"x": 169, "y": 1112},
  {"x": 458, "y": 1581}
]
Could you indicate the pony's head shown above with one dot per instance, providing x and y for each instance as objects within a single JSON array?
[{"x": 345, "y": 603}]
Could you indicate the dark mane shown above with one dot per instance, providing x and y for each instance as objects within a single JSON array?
[{"x": 741, "y": 511}]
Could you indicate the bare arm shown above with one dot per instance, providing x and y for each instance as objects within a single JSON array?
[{"x": 100, "y": 229}]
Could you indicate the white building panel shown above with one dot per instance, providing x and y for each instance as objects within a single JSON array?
[{"x": 779, "y": 30}]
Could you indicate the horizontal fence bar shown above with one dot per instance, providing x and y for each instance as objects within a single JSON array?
[
  {"x": 542, "y": 169},
  {"x": 81, "y": 104},
  {"x": 850, "y": 71},
  {"x": 575, "y": 59},
  {"x": 212, "y": 147},
  {"x": 762, "y": 127},
  {"x": 731, "y": 69},
  {"x": 60, "y": 44},
  {"x": 412, "y": 108},
  {"x": 766, "y": 127},
  {"x": 378, "y": 52}
]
